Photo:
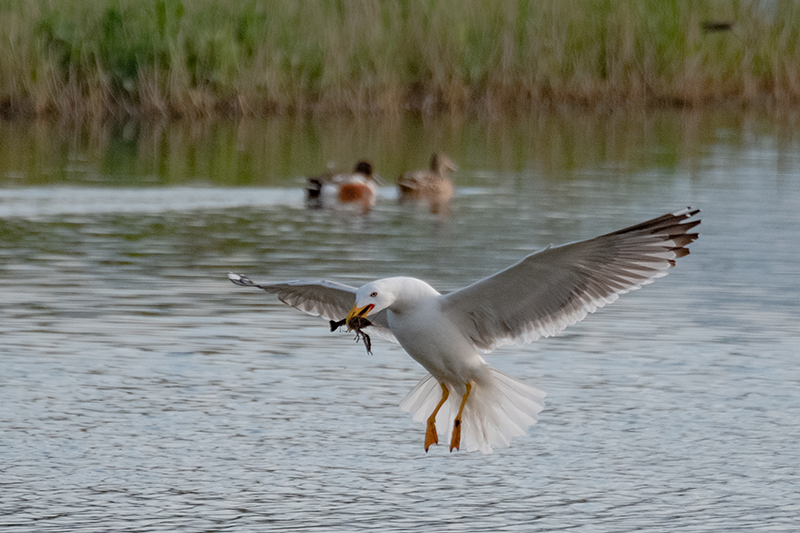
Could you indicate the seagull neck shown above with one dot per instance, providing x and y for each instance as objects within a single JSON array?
[{"x": 410, "y": 293}]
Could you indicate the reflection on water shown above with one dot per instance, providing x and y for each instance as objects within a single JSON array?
[
  {"x": 140, "y": 390},
  {"x": 275, "y": 152}
]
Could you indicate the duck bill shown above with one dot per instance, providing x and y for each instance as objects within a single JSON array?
[{"x": 358, "y": 312}]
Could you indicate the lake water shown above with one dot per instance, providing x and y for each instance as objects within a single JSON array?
[{"x": 141, "y": 391}]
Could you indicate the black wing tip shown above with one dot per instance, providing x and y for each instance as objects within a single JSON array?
[
  {"x": 685, "y": 215},
  {"x": 673, "y": 228},
  {"x": 679, "y": 232},
  {"x": 687, "y": 212},
  {"x": 678, "y": 219},
  {"x": 238, "y": 279},
  {"x": 675, "y": 223}
]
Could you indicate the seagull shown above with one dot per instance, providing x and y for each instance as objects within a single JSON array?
[
  {"x": 433, "y": 185},
  {"x": 548, "y": 290},
  {"x": 357, "y": 188}
]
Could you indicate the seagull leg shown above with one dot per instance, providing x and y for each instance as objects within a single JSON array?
[
  {"x": 430, "y": 433},
  {"x": 455, "y": 439}
]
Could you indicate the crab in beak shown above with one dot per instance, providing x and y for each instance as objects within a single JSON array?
[{"x": 357, "y": 317}]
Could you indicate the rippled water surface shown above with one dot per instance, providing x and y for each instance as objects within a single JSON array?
[{"x": 141, "y": 391}]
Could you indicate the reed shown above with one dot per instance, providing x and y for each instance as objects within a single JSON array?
[{"x": 206, "y": 58}]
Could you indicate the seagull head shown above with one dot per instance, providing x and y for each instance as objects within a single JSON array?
[
  {"x": 372, "y": 298},
  {"x": 398, "y": 293}
]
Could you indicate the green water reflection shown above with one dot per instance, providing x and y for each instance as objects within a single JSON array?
[{"x": 275, "y": 152}]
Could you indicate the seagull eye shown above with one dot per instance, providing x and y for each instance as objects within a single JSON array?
[{"x": 373, "y": 295}]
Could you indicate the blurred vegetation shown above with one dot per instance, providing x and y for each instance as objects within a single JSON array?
[{"x": 205, "y": 58}]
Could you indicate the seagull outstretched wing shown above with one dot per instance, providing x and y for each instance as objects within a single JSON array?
[
  {"x": 328, "y": 299},
  {"x": 558, "y": 286}
]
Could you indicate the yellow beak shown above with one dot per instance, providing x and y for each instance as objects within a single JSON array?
[{"x": 358, "y": 312}]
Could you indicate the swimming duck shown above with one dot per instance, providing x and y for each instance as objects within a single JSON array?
[
  {"x": 355, "y": 189},
  {"x": 434, "y": 185}
]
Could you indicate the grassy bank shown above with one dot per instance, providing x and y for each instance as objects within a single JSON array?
[{"x": 168, "y": 57}]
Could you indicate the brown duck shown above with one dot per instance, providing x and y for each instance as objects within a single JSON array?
[{"x": 433, "y": 186}]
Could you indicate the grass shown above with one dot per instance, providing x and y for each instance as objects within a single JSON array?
[{"x": 205, "y": 58}]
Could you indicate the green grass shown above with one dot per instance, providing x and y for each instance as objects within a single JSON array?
[{"x": 205, "y": 58}]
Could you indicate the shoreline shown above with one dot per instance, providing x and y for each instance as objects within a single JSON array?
[{"x": 20, "y": 108}]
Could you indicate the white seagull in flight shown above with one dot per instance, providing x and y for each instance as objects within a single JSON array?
[{"x": 446, "y": 333}]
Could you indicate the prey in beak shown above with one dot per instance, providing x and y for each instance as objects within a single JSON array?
[
  {"x": 356, "y": 320},
  {"x": 357, "y": 316}
]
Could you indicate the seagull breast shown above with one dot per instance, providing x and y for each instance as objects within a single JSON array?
[{"x": 429, "y": 336}]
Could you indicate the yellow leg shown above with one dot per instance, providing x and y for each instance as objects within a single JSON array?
[
  {"x": 455, "y": 439},
  {"x": 430, "y": 433}
]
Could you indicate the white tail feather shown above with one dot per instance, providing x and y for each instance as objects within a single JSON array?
[{"x": 498, "y": 409}]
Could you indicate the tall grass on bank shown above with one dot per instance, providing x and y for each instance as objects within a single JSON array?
[{"x": 204, "y": 57}]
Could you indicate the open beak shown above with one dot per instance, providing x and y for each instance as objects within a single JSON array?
[{"x": 358, "y": 312}]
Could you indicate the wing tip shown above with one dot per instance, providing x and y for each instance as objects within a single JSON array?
[
  {"x": 682, "y": 238},
  {"x": 686, "y": 212},
  {"x": 676, "y": 223},
  {"x": 238, "y": 279}
]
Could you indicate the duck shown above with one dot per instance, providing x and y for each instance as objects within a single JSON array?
[
  {"x": 433, "y": 186},
  {"x": 356, "y": 189}
]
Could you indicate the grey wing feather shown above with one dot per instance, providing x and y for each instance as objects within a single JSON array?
[
  {"x": 559, "y": 285},
  {"x": 328, "y": 299}
]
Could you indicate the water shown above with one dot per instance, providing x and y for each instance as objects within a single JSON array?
[{"x": 141, "y": 391}]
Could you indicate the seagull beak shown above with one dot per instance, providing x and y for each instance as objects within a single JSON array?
[{"x": 358, "y": 312}]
